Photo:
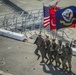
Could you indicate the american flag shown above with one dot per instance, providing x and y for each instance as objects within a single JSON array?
[{"x": 46, "y": 16}]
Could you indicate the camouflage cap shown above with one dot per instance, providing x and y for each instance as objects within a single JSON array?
[
  {"x": 47, "y": 36},
  {"x": 53, "y": 39},
  {"x": 39, "y": 35},
  {"x": 67, "y": 44},
  {"x": 60, "y": 41}
]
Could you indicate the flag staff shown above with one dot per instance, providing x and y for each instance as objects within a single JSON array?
[
  {"x": 54, "y": 5},
  {"x": 49, "y": 27},
  {"x": 52, "y": 37},
  {"x": 62, "y": 35},
  {"x": 56, "y": 34},
  {"x": 43, "y": 19}
]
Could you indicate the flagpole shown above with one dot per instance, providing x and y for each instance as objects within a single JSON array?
[
  {"x": 62, "y": 35},
  {"x": 56, "y": 34},
  {"x": 52, "y": 37},
  {"x": 43, "y": 19},
  {"x": 50, "y": 27}
]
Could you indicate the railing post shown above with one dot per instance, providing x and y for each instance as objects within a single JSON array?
[{"x": 15, "y": 23}]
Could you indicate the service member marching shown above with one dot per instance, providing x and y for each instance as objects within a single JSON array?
[{"x": 67, "y": 56}]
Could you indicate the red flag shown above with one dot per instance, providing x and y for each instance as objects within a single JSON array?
[
  {"x": 53, "y": 18},
  {"x": 73, "y": 26}
]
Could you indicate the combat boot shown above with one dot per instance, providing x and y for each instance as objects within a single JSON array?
[
  {"x": 62, "y": 68},
  {"x": 66, "y": 68},
  {"x": 42, "y": 62},
  {"x": 59, "y": 64},
  {"x": 56, "y": 65},
  {"x": 70, "y": 70},
  {"x": 38, "y": 57}
]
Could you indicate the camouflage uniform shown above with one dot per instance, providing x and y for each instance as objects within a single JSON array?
[
  {"x": 59, "y": 48},
  {"x": 54, "y": 50},
  {"x": 37, "y": 49},
  {"x": 41, "y": 47},
  {"x": 67, "y": 55},
  {"x": 48, "y": 44},
  {"x": 58, "y": 56}
]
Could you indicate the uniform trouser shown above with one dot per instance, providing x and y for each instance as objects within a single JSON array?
[
  {"x": 57, "y": 59},
  {"x": 65, "y": 61},
  {"x": 55, "y": 54},
  {"x": 52, "y": 55},
  {"x": 36, "y": 51},
  {"x": 69, "y": 64},
  {"x": 48, "y": 52},
  {"x": 43, "y": 53}
]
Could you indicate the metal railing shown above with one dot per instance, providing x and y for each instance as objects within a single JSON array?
[{"x": 22, "y": 22}]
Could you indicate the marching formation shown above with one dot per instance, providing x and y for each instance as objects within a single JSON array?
[{"x": 54, "y": 52}]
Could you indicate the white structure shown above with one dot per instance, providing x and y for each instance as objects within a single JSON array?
[
  {"x": 13, "y": 35},
  {"x": 73, "y": 46},
  {"x": 73, "y": 51}
]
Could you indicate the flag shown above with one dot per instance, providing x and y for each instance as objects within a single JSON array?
[
  {"x": 66, "y": 17},
  {"x": 53, "y": 18},
  {"x": 73, "y": 26},
  {"x": 46, "y": 16},
  {"x": 53, "y": 9}
]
